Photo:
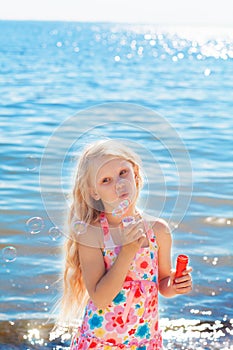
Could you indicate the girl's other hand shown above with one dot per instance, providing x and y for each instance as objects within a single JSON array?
[{"x": 183, "y": 284}]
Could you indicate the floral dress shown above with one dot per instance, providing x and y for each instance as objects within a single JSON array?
[{"x": 131, "y": 320}]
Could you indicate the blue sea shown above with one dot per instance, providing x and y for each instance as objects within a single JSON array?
[{"x": 167, "y": 91}]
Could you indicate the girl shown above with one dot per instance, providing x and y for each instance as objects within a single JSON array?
[{"x": 114, "y": 269}]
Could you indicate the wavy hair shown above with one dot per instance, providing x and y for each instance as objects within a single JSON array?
[{"x": 85, "y": 208}]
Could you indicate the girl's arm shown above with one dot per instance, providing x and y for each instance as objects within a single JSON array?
[
  {"x": 169, "y": 287},
  {"x": 103, "y": 285}
]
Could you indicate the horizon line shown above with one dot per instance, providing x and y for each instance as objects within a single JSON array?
[{"x": 187, "y": 25}]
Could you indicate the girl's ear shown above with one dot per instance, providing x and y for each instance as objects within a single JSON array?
[
  {"x": 94, "y": 194},
  {"x": 136, "y": 171},
  {"x": 136, "y": 175}
]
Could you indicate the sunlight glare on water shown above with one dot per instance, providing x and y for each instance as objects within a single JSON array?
[{"x": 51, "y": 71}]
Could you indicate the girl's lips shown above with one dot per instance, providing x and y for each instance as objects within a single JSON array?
[{"x": 124, "y": 195}]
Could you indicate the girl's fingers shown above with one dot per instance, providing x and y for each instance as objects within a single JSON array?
[
  {"x": 134, "y": 232},
  {"x": 187, "y": 271},
  {"x": 133, "y": 226},
  {"x": 186, "y": 275},
  {"x": 141, "y": 239},
  {"x": 184, "y": 285},
  {"x": 135, "y": 236},
  {"x": 184, "y": 290},
  {"x": 183, "y": 279},
  {"x": 138, "y": 235}
]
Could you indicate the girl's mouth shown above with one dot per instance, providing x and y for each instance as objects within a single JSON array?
[{"x": 124, "y": 196}]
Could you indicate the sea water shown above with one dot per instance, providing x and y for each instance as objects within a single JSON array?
[{"x": 52, "y": 71}]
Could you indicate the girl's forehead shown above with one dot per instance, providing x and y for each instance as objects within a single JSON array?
[{"x": 109, "y": 162}]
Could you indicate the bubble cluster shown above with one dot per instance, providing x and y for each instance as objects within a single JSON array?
[
  {"x": 122, "y": 208},
  {"x": 9, "y": 254},
  {"x": 35, "y": 225}
]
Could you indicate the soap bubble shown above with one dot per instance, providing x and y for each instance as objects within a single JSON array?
[
  {"x": 125, "y": 186},
  {"x": 54, "y": 233},
  {"x": 9, "y": 254},
  {"x": 79, "y": 227},
  {"x": 121, "y": 208},
  {"x": 35, "y": 225},
  {"x": 31, "y": 163}
]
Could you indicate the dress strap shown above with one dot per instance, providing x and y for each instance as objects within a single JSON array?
[
  {"x": 150, "y": 233},
  {"x": 104, "y": 225}
]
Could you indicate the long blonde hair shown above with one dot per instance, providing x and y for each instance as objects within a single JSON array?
[{"x": 86, "y": 209}]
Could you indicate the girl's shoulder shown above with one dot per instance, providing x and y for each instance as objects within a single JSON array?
[
  {"x": 92, "y": 237},
  {"x": 156, "y": 222},
  {"x": 160, "y": 227}
]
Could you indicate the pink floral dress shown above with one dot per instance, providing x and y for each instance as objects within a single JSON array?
[{"x": 131, "y": 320}]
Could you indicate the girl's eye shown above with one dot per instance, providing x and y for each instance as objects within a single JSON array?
[
  {"x": 106, "y": 180},
  {"x": 123, "y": 172}
]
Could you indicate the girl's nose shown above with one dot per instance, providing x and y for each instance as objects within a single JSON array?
[{"x": 120, "y": 186}]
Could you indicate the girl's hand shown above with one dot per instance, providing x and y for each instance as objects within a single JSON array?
[
  {"x": 133, "y": 237},
  {"x": 182, "y": 285}
]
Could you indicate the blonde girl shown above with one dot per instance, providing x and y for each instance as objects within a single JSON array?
[{"x": 113, "y": 272}]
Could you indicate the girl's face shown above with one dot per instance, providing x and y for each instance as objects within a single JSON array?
[{"x": 114, "y": 181}]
